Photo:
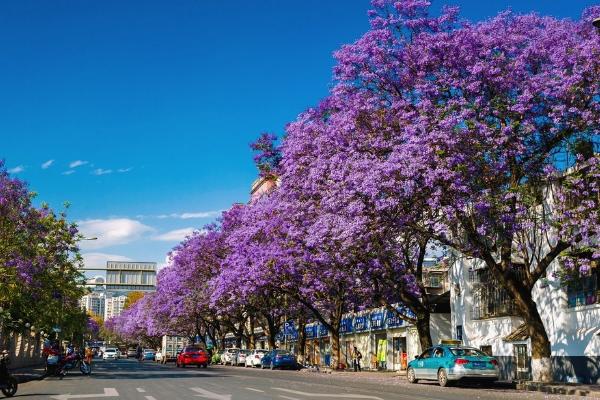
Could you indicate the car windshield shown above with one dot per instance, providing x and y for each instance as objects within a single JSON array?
[
  {"x": 233, "y": 350},
  {"x": 110, "y": 350},
  {"x": 191, "y": 349},
  {"x": 467, "y": 351},
  {"x": 245, "y": 352},
  {"x": 282, "y": 352}
]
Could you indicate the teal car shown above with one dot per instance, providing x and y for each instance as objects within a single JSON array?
[{"x": 450, "y": 363}]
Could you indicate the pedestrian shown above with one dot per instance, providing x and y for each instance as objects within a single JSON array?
[
  {"x": 139, "y": 352},
  {"x": 356, "y": 357},
  {"x": 89, "y": 354}
]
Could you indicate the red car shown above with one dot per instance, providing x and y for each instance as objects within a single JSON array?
[{"x": 192, "y": 355}]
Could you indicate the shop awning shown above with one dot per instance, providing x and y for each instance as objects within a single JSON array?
[{"x": 517, "y": 335}]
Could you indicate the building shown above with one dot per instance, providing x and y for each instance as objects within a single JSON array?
[
  {"x": 127, "y": 276},
  {"x": 114, "y": 306},
  {"x": 261, "y": 186},
  {"x": 94, "y": 303}
]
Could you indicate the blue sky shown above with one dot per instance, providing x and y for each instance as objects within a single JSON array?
[{"x": 146, "y": 108}]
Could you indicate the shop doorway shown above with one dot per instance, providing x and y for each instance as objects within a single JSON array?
[
  {"x": 399, "y": 354},
  {"x": 381, "y": 351}
]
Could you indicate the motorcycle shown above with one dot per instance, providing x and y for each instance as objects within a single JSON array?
[
  {"x": 8, "y": 383},
  {"x": 52, "y": 361},
  {"x": 72, "y": 361}
]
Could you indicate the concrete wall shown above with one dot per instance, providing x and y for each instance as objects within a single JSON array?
[{"x": 24, "y": 350}]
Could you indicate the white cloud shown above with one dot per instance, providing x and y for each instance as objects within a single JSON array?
[
  {"x": 186, "y": 215},
  {"x": 77, "y": 163},
  {"x": 47, "y": 164},
  {"x": 95, "y": 260},
  {"x": 16, "y": 170},
  {"x": 176, "y": 235},
  {"x": 122, "y": 170},
  {"x": 69, "y": 172},
  {"x": 111, "y": 232},
  {"x": 101, "y": 171}
]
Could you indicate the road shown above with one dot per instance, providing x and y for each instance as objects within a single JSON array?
[{"x": 129, "y": 380}]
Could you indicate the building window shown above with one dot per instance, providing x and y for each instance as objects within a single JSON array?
[
  {"x": 459, "y": 332},
  {"x": 583, "y": 291},
  {"x": 490, "y": 300},
  {"x": 435, "y": 281}
]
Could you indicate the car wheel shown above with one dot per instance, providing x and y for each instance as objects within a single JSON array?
[
  {"x": 443, "y": 378},
  {"x": 262, "y": 366},
  {"x": 411, "y": 376},
  {"x": 272, "y": 365}
]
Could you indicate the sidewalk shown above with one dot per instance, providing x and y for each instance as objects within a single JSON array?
[
  {"x": 28, "y": 373},
  {"x": 572, "y": 389}
]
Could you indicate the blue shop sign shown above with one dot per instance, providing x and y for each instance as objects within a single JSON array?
[
  {"x": 293, "y": 336},
  {"x": 289, "y": 328},
  {"x": 377, "y": 320},
  {"x": 311, "y": 331},
  {"x": 323, "y": 331},
  {"x": 393, "y": 320},
  {"x": 360, "y": 323},
  {"x": 346, "y": 325}
]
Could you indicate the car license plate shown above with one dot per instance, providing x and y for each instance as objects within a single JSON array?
[{"x": 478, "y": 365}]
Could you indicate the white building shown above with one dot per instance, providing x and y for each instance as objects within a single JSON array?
[
  {"x": 93, "y": 302},
  {"x": 483, "y": 316},
  {"x": 114, "y": 306}
]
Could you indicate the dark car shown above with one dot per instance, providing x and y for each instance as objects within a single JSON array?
[
  {"x": 192, "y": 355},
  {"x": 278, "y": 359}
]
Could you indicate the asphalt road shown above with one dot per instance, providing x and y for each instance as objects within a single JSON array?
[{"x": 130, "y": 380}]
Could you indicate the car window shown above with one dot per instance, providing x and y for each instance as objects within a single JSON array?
[
  {"x": 438, "y": 352},
  {"x": 244, "y": 352},
  {"x": 426, "y": 354},
  {"x": 467, "y": 351},
  {"x": 189, "y": 349},
  {"x": 284, "y": 352}
]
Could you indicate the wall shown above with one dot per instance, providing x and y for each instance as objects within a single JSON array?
[{"x": 24, "y": 351}]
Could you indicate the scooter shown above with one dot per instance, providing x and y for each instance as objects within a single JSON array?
[
  {"x": 8, "y": 383},
  {"x": 72, "y": 361}
]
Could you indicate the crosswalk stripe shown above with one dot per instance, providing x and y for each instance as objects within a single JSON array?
[{"x": 255, "y": 390}]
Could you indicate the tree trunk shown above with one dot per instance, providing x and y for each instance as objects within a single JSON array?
[
  {"x": 541, "y": 362},
  {"x": 424, "y": 328},
  {"x": 301, "y": 341},
  {"x": 272, "y": 332},
  {"x": 335, "y": 349}
]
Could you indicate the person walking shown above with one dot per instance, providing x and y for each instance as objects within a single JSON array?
[
  {"x": 139, "y": 352},
  {"x": 89, "y": 354},
  {"x": 356, "y": 357}
]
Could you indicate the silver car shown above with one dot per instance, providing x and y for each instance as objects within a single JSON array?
[{"x": 241, "y": 357}]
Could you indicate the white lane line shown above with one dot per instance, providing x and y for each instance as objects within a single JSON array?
[
  {"x": 141, "y": 390},
  {"x": 108, "y": 392},
  {"x": 338, "y": 396},
  {"x": 288, "y": 397},
  {"x": 210, "y": 395},
  {"x": 255, "y": 390},
  {"x": 150, "y": 398}
]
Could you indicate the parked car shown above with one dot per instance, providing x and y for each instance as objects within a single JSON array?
[
  {"x": 131, "y": 352},
  {"x": 110, "y": 353},
  {"x": 241, "y": 356},
  {"x": 451, "y": 363},
  {"x": 192, "y": 355},
  {"x": 253, "y": 359},
  {"x": 229, "y": 356},
  {"x": 278, "y": 359},
  {"x": 148, "y": 354}
]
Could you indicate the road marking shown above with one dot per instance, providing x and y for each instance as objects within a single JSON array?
[
  {"x": 108, "y": 392},
  {"x": 141, "y": 390},
  {"x": 339, "y": 396},
  {"x": 210, "y": 395},
  {"x": 288, "y": 397},
  {"x": 150, "y": 398},
  {"x": 255, "y": 390}
]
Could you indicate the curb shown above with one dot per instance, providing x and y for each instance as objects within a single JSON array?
[{"x": 564, "y": 390}]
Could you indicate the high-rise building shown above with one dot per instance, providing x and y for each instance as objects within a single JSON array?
[
  {"x": 114, "y": 306},
  {"x": 94, "y": 303}
]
